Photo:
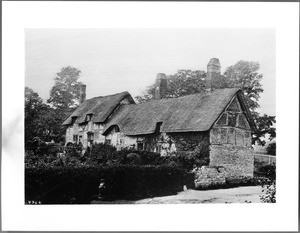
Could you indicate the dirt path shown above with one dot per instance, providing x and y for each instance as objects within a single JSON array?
[{"x": 232, "y": 195}]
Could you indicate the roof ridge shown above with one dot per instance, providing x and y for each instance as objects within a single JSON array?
[
  {"x": 96, "y": 97},
  {"x": 195, "y": 112},
  {"x": 185, "y": 96}
]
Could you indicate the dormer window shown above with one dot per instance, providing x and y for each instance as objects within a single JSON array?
[
  {"x": 73, "y": 120},
  {"x": 89, "y": 117},
  {"x": 117, "y": 129},
  {"x": 158, "y": 126}
]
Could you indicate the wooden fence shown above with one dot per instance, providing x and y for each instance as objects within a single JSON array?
[{"x": 264, "y": 158}]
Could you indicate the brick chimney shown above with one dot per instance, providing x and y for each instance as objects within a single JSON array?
[
  {"x": 82, "y": 93},
  {"x": 162, "y": 85},
  {"x": 213, "y": 74}
]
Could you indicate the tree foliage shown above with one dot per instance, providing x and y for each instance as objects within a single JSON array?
[
  {"x": 64, "y": 98},
  {"x": 35, "y": 110},
  {"x": 65, "y": 93},
  {"x": 245, "y": 76},
  {"x": 184, "y": 82},
  {"x": 43, "y": 122},
  {"x": 264, "y": 125},
  {"x": 271, "y": 148}
]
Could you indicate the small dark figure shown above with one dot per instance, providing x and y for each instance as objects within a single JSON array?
[{"x": 101, "y": 189}]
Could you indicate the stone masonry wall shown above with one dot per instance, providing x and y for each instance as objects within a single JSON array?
[
  {"x": 237, "y": 161},
  {"x": 230, "y": 142},
  {"x": 206, "y": 177}
]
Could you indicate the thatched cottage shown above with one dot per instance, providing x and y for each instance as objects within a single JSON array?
[{"x": 219, "y": 117}]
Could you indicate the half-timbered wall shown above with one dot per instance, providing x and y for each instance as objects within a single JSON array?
[
  {"x": 230, "y": 142},
  {"x": 86, "y": 133},
  {"x": 89, "y": 132}
]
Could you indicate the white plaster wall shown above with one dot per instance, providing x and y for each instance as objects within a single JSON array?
[{"x": 130, "y": 140}]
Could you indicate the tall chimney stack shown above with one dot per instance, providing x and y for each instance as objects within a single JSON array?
[
  {"x": 213, "y": 74},
  {"x": 82, "y": 93},
  {"x": 161, "y": 88}
]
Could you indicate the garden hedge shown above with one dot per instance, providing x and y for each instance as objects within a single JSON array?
[{"x": 79, "y": 185}]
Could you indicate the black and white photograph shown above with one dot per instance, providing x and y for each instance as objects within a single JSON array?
[
  {"x": 150, "y": 116},
  {"x": 163, "y": 118}
]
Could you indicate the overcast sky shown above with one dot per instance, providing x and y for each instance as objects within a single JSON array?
[{"x": 115, "y": 60}]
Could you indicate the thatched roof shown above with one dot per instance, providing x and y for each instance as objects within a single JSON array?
[
  {"x": 196, "y": 112},
  {"x": 101, "y": 107}
]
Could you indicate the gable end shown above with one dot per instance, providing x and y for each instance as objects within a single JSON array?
[{"x": 236, "y": 114}]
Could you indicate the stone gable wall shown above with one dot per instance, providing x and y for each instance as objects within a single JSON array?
[
  {"x": 230, "y": 142},
  {"x": 237, "y": 161}
]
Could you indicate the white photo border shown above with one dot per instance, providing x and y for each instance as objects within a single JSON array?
[{"x": 283, "y": 17}]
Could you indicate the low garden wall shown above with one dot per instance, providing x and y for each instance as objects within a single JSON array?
[{"x": 206, "y": 177}]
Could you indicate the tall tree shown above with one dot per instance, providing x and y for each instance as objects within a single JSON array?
[
  {"x": 265, "y": 125},
  {"x": 35, "y": 110},
  {"x": 245, "y": 75},
  {"x": 64, "y": 98},
  {"x": 65, "y": 93}
]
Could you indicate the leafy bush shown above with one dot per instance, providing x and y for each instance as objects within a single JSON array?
[
  {"x": 269, "y": 192},
  {"x": 197, "y": 158},
  {"x": 102, "y": 153},
  {"x": 166, "y": 160},
  {"x": 241, "y": 181},
  {"x": 42, "y": 148},
  {"x": 188, "y": 160},
  {"x": 133, "y": 158},
  {"x": 267, "y": 171},
  {"x": 268, "y": 185},
  {"x": 147, "y": 157},
  {"x": 73, "y": 150},
  {"x": 34, "y": 160},
  {"x": 266, "y": 177},
  {"x": 58, "y": 185},
  {"x": 271, "y": 148}
]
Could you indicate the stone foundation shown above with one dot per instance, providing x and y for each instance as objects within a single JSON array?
[
  {"x": 237, "y": 161},
  {"x": 206, "y": 177}
]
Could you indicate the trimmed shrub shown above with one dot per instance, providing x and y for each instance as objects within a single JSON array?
[
  {"x": 147, "y": 158},
  {"x": 79, "y": 185},
  {"x": 102, "y": 153},
  {"x": 133, "y": 158},
  {"x": 73, "y": 150}
]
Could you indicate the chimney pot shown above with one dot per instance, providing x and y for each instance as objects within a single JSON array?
[
  {"x": 213, "y": 73},
  {"x": 161, "y": 88},
  {"x": 82, "y": 93}
]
